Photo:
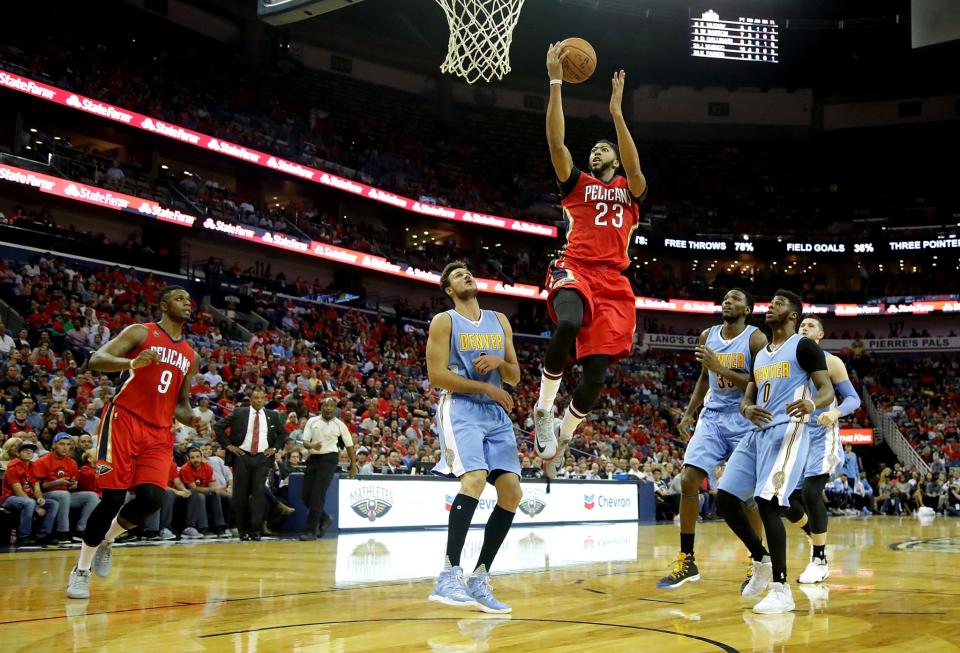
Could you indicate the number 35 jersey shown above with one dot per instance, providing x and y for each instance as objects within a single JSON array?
[
  {"x": 601, "y": 218},
  {"x": 733, "y": 354},
  {"x": 151, "y": 393}
]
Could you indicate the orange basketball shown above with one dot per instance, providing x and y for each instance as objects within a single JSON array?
[{"x": 580, "y": 62}]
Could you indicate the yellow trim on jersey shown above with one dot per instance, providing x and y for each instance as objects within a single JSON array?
[
  {"x": 126, "y": 383},
  {"x": 626, "y": 251}
]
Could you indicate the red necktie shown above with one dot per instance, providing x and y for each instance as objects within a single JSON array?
[{"x": 255, "y": 445}]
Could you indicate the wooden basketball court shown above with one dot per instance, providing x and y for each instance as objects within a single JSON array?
[{"x": 895, "y": 587}]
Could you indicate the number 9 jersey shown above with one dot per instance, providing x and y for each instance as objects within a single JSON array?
[
  {"x": 152, "y": 392},
  {"x": 601, "y": 218}
]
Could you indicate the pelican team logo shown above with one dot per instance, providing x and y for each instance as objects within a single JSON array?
[
  {"x": 371, "y": 501},
  {"x": 533, "y": 503},
  {"x": 589, "y": 501},
  {"x": 103, "y": 468},
  {"x": 930, "y": 545}
]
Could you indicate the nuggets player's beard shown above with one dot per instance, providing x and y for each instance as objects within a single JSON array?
[
  {"x": 730, "y": 319},
  {"x": 467, "y": 294}
]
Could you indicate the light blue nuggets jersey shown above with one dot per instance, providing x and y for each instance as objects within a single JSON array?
[
  {"x": 780, "y": 380},
  {"x": 468, "y": 341},
  {"x": 734, "y": 354},
  {"x": 813, "y": 393}
]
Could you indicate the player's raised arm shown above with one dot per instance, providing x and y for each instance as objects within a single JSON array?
[
  {"x": 629, "y": 157},
  {"x": 559, "y": 154},
  {"x": 112, "y": 356}
]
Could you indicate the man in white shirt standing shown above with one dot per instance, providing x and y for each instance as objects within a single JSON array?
[
  {"x": 320, "y": 437},
  {"x": 203, "y": 412}
]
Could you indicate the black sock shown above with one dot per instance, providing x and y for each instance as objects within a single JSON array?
[
  {"x": 686, "y": 543},
  {"x": 461, "y": 513},
  {"x": 820, "y": 551},
  {"x": 776, "y": 537},
  {"x": 493, "y": 536},
  {"x": 806, "y": 529}
]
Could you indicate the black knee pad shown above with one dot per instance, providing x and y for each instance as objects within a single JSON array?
[
  {"x": 727, "y": 503},
  {"x": 148, "y": 499},
  {"x": 813, "y": 489}
]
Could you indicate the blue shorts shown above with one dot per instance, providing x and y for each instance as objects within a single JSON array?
[
  {"x": 767, "y": 463},
  {"x": 825, "y": 453},
  {"x": 475, "y": 435},
  {"x": 714, "y": 440}
]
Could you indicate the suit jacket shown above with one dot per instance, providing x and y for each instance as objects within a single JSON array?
[{"x": 232, "y": 429}]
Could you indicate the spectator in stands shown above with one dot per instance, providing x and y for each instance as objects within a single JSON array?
[
  {"x": 93, "y": 420},
  {"x": 203, "y": 412},
  {"x": 7, "y": 343},
  {"x": 197, "y": 476},
  {"x": 21, "y": 490},
  {"x": 59, "y": 477}
]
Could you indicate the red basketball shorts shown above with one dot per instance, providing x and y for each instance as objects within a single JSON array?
[
  {"x": 609, "y": 306},
  {"x": 131, "y": 451}
]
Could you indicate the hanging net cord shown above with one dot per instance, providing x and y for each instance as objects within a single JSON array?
[{"x": 480, "y": 36}]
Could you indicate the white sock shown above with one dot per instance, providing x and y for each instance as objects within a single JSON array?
[
  {"x": 571, "y": 420},
  {"x": 549, "y": 385},
  {"x": 86, "y": 557},
  {"x": 116, "y": 530}
]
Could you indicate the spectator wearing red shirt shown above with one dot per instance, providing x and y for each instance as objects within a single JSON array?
[
  {"x": 87, "y": 474},
  {"x": 197, "y": 476},
  {"x": 59, "y": 478},
  {"x": 21, "y": 490}
]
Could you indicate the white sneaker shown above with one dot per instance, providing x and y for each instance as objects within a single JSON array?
[
  {"x": 761, "y": 575},
  {"x": 778, "y": 600},
  {"x": 545, "y": 440},
  {"x": 167, "y": 534},
  {"x": 816, "y": 572},
  {"x": 191, "y": 533}
]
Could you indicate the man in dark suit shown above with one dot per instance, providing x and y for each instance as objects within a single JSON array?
[{"x": 250, "y": 437}]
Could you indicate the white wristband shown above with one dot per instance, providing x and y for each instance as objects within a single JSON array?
[
  {"x": 814, "y": 404},
  {"x": 558, "y": 82},
  {"x": 131, "y": 363}
]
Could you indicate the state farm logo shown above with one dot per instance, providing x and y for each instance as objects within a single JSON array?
[
  {"x": 371, "y": 501},
  {"x": 74, "y": 101},
  {"x": 533, "y": 503},
  {"x": 146, "y": 124},
  {"x": 589, "y": 501},
  {"x": 71, "y": 191}
]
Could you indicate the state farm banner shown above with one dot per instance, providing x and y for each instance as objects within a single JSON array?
[
  {"x": 856, "y": 436},
  {"x": 158, "y": 127},
  {"x": 385, "y": 502},
  {"x": 896, "y": 345}
]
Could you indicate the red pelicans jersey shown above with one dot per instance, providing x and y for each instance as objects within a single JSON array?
[
  {"x": 151, "y": 393},
  {"x": 601, "y": 219}
]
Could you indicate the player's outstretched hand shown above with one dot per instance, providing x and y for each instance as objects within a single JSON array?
[
  {"x": 500, "y": 396},
  {"x": 555, "y": 61},
  {"x": 486, "y": 363},
  {"x": 757, "y": 415},
  {"x": 144, "y": 358},
  {"x": 616, "y": 95},
  {"x": 801, "y": 407}
]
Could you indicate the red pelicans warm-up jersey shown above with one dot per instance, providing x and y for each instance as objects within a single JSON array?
[
  {"x": 601, "y": 219},
  {"x": 151, "y": 393}
]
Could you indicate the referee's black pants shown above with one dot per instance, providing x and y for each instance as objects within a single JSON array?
[
  {"x": 249, "y": 479},
  {"x": 316, "y": 480}
]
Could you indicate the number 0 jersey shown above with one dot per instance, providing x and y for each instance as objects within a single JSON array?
[
  {"x": 601, "y": 218},
  {"x": 151, "y": 393}
]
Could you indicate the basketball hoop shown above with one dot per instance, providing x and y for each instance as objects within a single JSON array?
[{"x": 480, "y": 35}]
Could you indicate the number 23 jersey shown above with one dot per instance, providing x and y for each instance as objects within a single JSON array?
[
  {"x": 601, "y": 218},
  {"x": 151, "y": 393}
]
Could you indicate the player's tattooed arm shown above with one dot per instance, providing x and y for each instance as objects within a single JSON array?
[{"x": 112, "y": 357}]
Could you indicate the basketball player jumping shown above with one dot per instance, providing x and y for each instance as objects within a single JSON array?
[
  {"x": 726, "y": 353},
  {"x": 135, "y": 437},
  {"x": 590, "y": 299},
  {"x": 807, "y": 508},
  {"x": 768, "y": 462},
  {"x": 470, "y": 355}
]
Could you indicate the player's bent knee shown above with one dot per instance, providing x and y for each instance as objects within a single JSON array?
[
  {"x": 690, "y": 479},
  {"x": 727, "y": 503},
  {"x": 472, "y": 483},
  {"x": 151, "y": 496}
]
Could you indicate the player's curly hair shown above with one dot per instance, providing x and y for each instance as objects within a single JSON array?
[
  {"x": 796, "y": 304},
  {"x": 613, "y": 146}
]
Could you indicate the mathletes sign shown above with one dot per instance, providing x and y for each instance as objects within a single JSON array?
[{"x": 183, "y": 135}]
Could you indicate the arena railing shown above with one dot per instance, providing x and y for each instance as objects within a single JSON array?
[{"x": 891, "y": 434}]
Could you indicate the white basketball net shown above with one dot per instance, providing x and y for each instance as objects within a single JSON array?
[{"x": 480, "y": 36}]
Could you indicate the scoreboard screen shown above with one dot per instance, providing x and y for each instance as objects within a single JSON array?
[{"x": 742, "y": 39}]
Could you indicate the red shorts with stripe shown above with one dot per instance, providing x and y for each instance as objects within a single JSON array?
[
  {"x": 609, "y": 306},
  {"x": 131, "y": 451}
]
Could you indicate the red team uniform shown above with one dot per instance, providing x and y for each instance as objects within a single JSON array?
[
  {"x": 135, "y": 437},
  {"x": 602, "y": 218}
]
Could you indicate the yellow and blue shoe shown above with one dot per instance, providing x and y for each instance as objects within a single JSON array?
[{"x": 684, "y": 571}]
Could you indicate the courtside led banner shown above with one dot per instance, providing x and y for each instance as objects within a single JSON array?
[
  {"x": 856, "y": 436},
  {"x": 182, "y": 134}
]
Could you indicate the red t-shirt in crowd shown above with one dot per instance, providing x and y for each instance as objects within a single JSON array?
[
  {"x": 50, "y": 468},
  {"x": 18, "y": 472},
  {"x": 87, "y": 481},
  {"x": 202, "y": 476}
]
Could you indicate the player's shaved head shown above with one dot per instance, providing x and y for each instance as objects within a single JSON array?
[{"x": 166, "y": 291}]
